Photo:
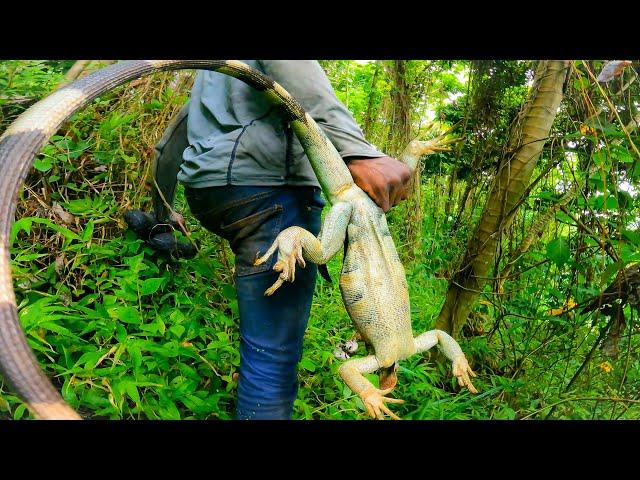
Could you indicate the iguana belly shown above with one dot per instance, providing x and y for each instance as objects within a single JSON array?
[{"x": 374, "y": 287}]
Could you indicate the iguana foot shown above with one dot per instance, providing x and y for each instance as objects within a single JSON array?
[
  {"x": 289, "y": 246},
  {"x": 374, "y": 401},
  {"x": 452, "y": 351},
  {"x": 462, "y": 370}
]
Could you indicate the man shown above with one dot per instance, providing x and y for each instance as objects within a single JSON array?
[{"x": 246, "y": 179}]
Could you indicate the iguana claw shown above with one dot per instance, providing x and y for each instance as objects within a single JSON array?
[
  {"x": 289, "y": 252},
  {"x": 462, "y": 370},
  {"x": 374, "y": 401}
]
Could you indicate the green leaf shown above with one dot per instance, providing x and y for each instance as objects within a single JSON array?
[
  {"x": 65, "y": 232},
  {"x": 505, "y": 413},
  {"x": 625, "y": 200},
  {"x": 602, "y": 160},
  {"x": 611, "y": 203},
  {"x": 228, "y": 292},
  {"x": 596, "y": 181},
  {"x": 177, "y": 330},
  {"x": 87, "y": 233},
  {"x": 581, "y": 83},
  {"x": 308, "y": 364},
  {"x": 629, "y": 254},
  {"x": 176, "y": 317},
  {"x": 132, "y": 391},
  {"x": 632, "y": 236},
  {"x": 151, "y": 285},
  {"x": 43, "y": 165},
  {"x": 547, "y": 195},
  {"x": 161, "y": 325},
  {"x": 169, "y": 411},
  {"x": 136, "y": 355},
  {"x": 19, "y": 412},
  {"x": 126, "y": 314},
  {"x": 622, "y": 154},
  {"x": 154, "y": 105},
  {"x": 610, "y": 271},
  {"x": 558, "y": 251},
  {"x": 563, "y": 217},
  {"x": 18, "y": 225}
]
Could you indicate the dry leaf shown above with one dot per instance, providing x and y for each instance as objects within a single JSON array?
[
  {"x": 613, "y": 69},
  {"x": 587, "y": 130},
  {"x": 568, "y": 305},
  {"x": 64, "y": 216},
  {"x": 606, "y": 367},
  {"x": 59, "y": 264}
]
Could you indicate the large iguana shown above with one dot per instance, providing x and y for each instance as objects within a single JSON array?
[{"x": 372, "y": 282}]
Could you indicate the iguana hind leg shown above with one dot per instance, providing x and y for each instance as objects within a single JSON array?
[
  {"x": 295, "y": 245},
  {"x": 451, "y": 349},
  {"x": 373, "y": 398}
]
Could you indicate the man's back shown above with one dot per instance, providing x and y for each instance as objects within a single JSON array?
[{"x": 237, "y": 138}]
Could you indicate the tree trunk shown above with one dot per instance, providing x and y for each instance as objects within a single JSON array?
[
  {"x": 368, "y": 118},
  {"x": 449, "y": 198},
  {"x": 464, "y": 204},
  {"x": 400, "y": 132},
  {"x": 539, "y": 224},
  {"x": 398, "y": 136},
  {"x": 525, "y": 146}
]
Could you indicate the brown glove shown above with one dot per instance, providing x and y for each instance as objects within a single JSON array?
[{"x": 384, "y": 179}]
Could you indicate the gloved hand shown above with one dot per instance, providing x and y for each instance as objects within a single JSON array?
[
  {"x": 384, "y": 179},
  {"x": 159, "y": 234}
]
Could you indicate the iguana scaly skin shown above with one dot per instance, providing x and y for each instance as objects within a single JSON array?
[{"x": 373, "y": 283}]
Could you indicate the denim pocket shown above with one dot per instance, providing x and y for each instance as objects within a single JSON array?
[
  {"x": 250, "y": 223},
  {"x": 215, "y": 201},
  {"x": 253, "y": 235},
  {"x": 249, "y": 220}
]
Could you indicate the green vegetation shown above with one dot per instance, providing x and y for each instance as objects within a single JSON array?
[{"x": 125, "y": 333}]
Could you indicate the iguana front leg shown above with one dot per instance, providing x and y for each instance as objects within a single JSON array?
[
  {"x": 295, "y": 244},
  {"x": 452, "y": 351},
  {"x": 373, "y": 398}
]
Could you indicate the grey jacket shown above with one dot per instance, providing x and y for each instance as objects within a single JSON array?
[{"x": 228, "y": 134}]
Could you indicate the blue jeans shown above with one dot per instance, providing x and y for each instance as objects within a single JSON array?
[{"x": 271, "y": 328}]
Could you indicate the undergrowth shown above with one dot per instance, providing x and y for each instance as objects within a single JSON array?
[{"x": 127, "y": 334}]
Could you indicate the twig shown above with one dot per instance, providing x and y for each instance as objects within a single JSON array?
[{"x": 577, "y": 399}]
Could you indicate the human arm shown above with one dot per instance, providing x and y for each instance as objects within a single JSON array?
[
  {"x": 383, "y": 178},
  {"x": 166, "y": 165}
]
